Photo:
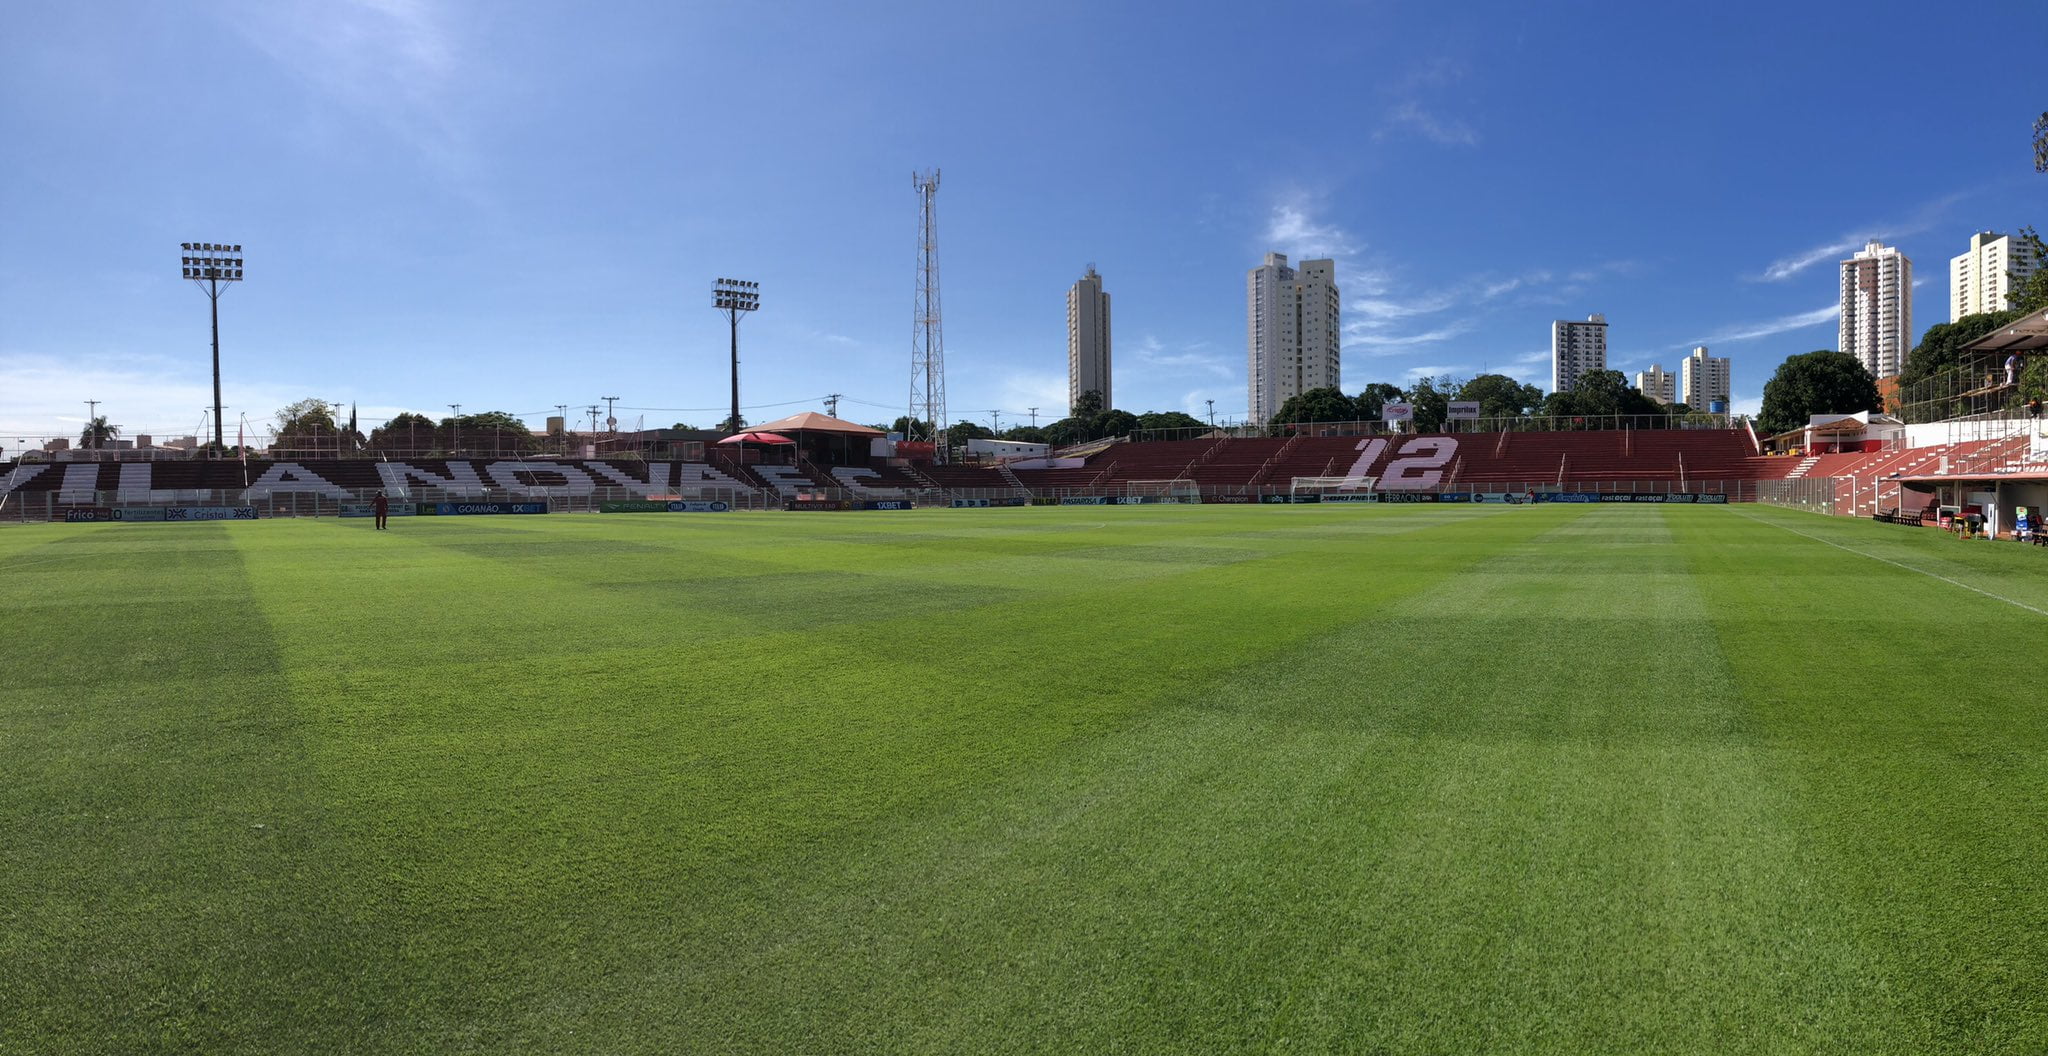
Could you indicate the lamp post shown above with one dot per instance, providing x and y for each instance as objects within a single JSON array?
[
  {"x": 210, "y": 264},
  {"x": 455, "y": 428},
  {"x": 735, "y": 297}
]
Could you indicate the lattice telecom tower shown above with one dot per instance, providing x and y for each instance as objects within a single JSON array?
[{"x": 928, "y": 339}]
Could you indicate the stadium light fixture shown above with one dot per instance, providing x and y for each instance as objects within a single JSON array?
[
  {"x": 208, "y": 264},
  {"x": 735, "y": 297}
]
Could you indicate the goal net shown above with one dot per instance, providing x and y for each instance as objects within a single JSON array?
[
  {"x": 1178, "y": 488},
  {"x": 1332, "y": 485}
]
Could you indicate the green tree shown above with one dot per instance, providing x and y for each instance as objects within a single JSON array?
[
  {"x": 1936, "y": 351},
  {"x": 1111, "y": 423},
  {"x": 1600, "y": 394},
  {"x": 492, "y": 433},
  {"x": 911, "y": 428},
  {"x": 98, "y": 433},
  {"x": 1088, "y": 406},
  {"x": 305, "y": 429},
  {"x": 1821, "y": 382},
  {"x": 1025, "y": 434},
  {"x": 962, "y": 431},
  {"x": 1432, "y": 400},
  {"x": 1316, "y": 405},
  {"x": 1066, "y": 431},
  {"x": 406, "y": 432},
  {"x": 1500, "y": 396},
  {"x": 1373, "y": 401},
  {"x": 1170, "y": 420}
]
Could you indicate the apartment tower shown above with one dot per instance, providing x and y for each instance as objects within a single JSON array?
[
  {"x": 1088, "y": 340},
  {"x": 1292, "y": 332},
  {"x": 1575, "y": 349},
  {"x": 1979, "y": 280},
  {"x": 1707, "y": 381},
  {"x": 1658, "y": 384},
  {"x": 1877, "y": 308}
]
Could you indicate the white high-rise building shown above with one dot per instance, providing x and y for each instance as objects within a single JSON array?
[
  {"x": 1658, "y": 384},
  {"x": 1575, "y": 349},
  {"x": 1707, "y": 380},
  {"x": 1979, "y": 280},
  {"x": 1877, "y": 308},
  {"x": 1088, "y": 340},
  {"x": 1292, "y": 332}
]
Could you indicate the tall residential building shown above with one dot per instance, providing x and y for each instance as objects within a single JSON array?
[
  {"x": 1658, "y": 384},
  {"x": 1707, "y": 380},
  {"x": 1978, "y": 281},
  {"x": 1877, "y": 308},
  {"x": 1575, "y": 349},
  {"x": 1088, "y": 340},
  {"x": 1292, "y": 332}
]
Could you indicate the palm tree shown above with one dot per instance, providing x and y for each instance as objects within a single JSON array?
[{"x": 97, "y": 433}]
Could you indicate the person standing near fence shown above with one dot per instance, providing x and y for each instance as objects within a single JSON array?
[{"x": 381, "y": 506}]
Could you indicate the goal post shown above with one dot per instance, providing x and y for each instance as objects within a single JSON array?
[
  {"x": 1332, "y": 485},
  {"x": 1180, "y": 488}
]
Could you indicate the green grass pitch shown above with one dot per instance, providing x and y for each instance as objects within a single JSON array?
[{"x": 1561, "y": 779}]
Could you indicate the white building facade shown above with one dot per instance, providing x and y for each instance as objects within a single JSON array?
[
  {"x": 1980, "y": 280},
  {"x": 1088, "y": 366},
  {"x": 1293, "y": 332},
  {"x": 1576, "y": 349},
  {"x": 1658, "y": 384},
  {"x": 1877, "y": 309},
  {"x": 1708, "y": 381}
]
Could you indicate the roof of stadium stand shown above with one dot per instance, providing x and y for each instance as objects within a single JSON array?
[
  {"x": 2029, "y": 334},
  {"x": 813, "y": 422}
]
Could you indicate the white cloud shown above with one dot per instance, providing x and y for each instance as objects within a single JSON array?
[
  {"x": 1448, "y": 131},
  {"x": 1294, "y": 228},
  {"x": 1786, "y": 267},
  {"x": 1417, "y": 106},
  {"x": 394, "y": 62},
  {"x": 42, "y": 396},
  {"x": 1780, "y": 325},
  {"x": 1922, "y": 219},
  {"x": 1381, "y": 345}
]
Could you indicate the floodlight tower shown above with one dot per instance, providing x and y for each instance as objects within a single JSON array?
[
  {"x": 735, "y": 297},
  {"x": 210, "y": 264},
  {"x": 927, "y": 339}
]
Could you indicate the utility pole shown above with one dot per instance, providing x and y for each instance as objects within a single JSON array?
[
  {"x": 1034, "y": 417},
  {"x": 611, "y": 421},
  {"x": 593, "y": 419},
  {"x": 995, "y": 420},
  {"x": 455, "y": 428},
  {"x": 832, "y": 405},
  {"x": 1212, "y": 414},
  {"x": 92, "y": 414}
]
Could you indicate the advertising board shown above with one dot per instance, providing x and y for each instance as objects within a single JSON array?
[
  {"x": 469, "y": 509},
  {"x": 657, "y": 506},
  {"x": 209, "y": 513}
]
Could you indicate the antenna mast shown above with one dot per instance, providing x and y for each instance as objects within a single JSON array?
[{"x": 927, "y": 340}]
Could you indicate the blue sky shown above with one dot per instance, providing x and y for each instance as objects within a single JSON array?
[{"x": 514, "y": 205}]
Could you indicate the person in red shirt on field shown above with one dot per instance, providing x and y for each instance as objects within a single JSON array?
[{"x": 381, "y": 506}]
